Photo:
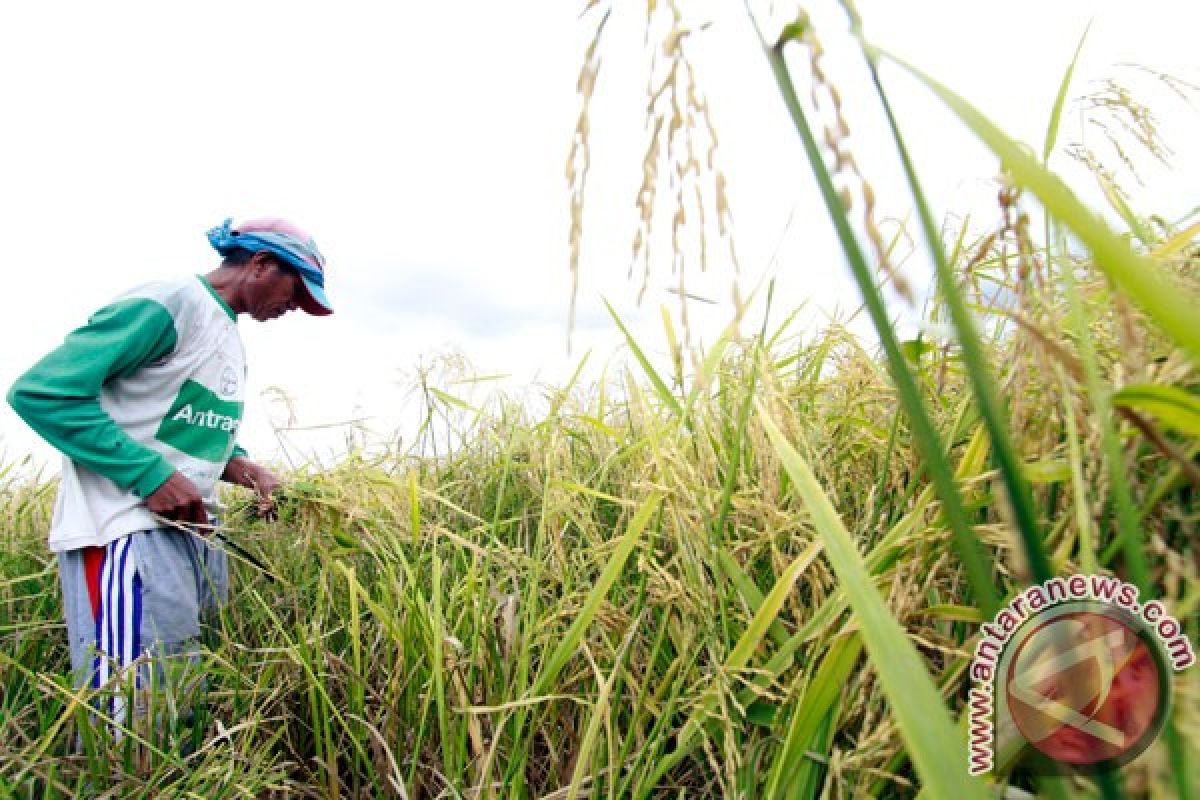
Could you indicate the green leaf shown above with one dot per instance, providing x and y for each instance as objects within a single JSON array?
[
  {"x": 923, "y": 432},
  {"x": 659, "y": 385},
  {"x": 813, "y": 707},
  {"x": 1060, "y": 99},
  {"x": 762, "y": 713},
  {"x": 913, "y": 349},
  {"x": 737, "y": 659},
  {"x": 1048, "y": 470},
  {"x": 702, "y": 379},
  {"x": 616, "y": 563},
  {"x": 1174, "y": 407},
  {"x": 933, "y": 745},
  {"x": 952, "y": 612},
  {"x": 793, "y": 30},
  {"x": 1177, "y": 242},
  {"x": 450, "y": 399},
  {"x": 673, "y": 346},
  {"x": 1170, "y": 306},
  {"x": 976, "y": 359},
  {"x": 342, "y": 538},
  {"x": 600, "y": 714},
  {"x": 751, "y": 596}
]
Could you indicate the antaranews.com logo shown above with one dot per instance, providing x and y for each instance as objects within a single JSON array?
[{"x": 1076, "y": 668}]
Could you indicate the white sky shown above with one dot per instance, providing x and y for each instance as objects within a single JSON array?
[{"x": 424, "y": 146}]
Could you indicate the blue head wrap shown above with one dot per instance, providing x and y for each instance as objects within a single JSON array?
[{"x": 280, "y": 238}]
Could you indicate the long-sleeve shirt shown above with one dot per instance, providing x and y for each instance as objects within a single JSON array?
[{"x": 151, "y": 385}]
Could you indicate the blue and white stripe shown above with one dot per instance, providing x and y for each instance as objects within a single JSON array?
[{"x": 119, "y": 621}]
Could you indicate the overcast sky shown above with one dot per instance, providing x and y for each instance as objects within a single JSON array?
[{"x": 424, "y": 146}]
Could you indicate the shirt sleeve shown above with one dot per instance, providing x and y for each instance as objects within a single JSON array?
[{"x": 59, "y": 397}]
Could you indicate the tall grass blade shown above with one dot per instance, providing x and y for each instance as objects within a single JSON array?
[
  {"x": 929, "y": 735},
  {"x": 812, "y": 709},
  {"x": 673, "y": 347},
  {"x": 1060, "y": 99},
  {"x": 991, "y": 407},
  {"x": 702, "y": 379},
  {"x": 1128, "y": 530},
  {"x": 1177, "y": 242},
  {"x": 1175, "y": 408},
  {"x": 616, "y": 563},
  {"x": 660, "y": 387},
  {"x": 966, "y": 545},
  {"x": 1171, "y": 306},
  {"x": 737, "y": 659},
  {"x": 600, "y": 711}
]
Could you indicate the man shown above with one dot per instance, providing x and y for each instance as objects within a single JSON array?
[{"x": 145, "y": 402}]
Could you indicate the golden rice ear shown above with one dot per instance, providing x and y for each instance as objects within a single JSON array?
[{"x": 681, "y": 201}]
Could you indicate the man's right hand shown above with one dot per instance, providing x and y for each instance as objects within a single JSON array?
[{"x": 178, "y": 499}]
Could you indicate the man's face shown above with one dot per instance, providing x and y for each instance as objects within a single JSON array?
[{"x": 272, "y": 289}]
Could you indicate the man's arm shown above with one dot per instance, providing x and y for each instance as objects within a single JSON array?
[{"x": 59, "y": 397}]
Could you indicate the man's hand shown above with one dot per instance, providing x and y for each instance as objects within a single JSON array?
[
  {"x": 178, "y": 499},
  {"x": 245, "y": 472}
]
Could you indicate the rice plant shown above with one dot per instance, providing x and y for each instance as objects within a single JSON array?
[{"x": 762, "y": 576}]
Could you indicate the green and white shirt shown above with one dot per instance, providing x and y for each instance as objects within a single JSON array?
[{"x": 153, "y": 384}]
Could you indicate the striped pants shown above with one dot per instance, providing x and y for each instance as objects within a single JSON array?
[
  {"x": 135, "y": 603},
  {"x": 115, "y": 594}
]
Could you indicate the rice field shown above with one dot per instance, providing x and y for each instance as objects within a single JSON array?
[
  {"x": 762, "y": 576},
  {"x": 631, "y": 595}
]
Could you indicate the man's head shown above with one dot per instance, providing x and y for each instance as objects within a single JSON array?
[
  {"x": 266, "y": 288},
  {"x": 279, "y": 267}
]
